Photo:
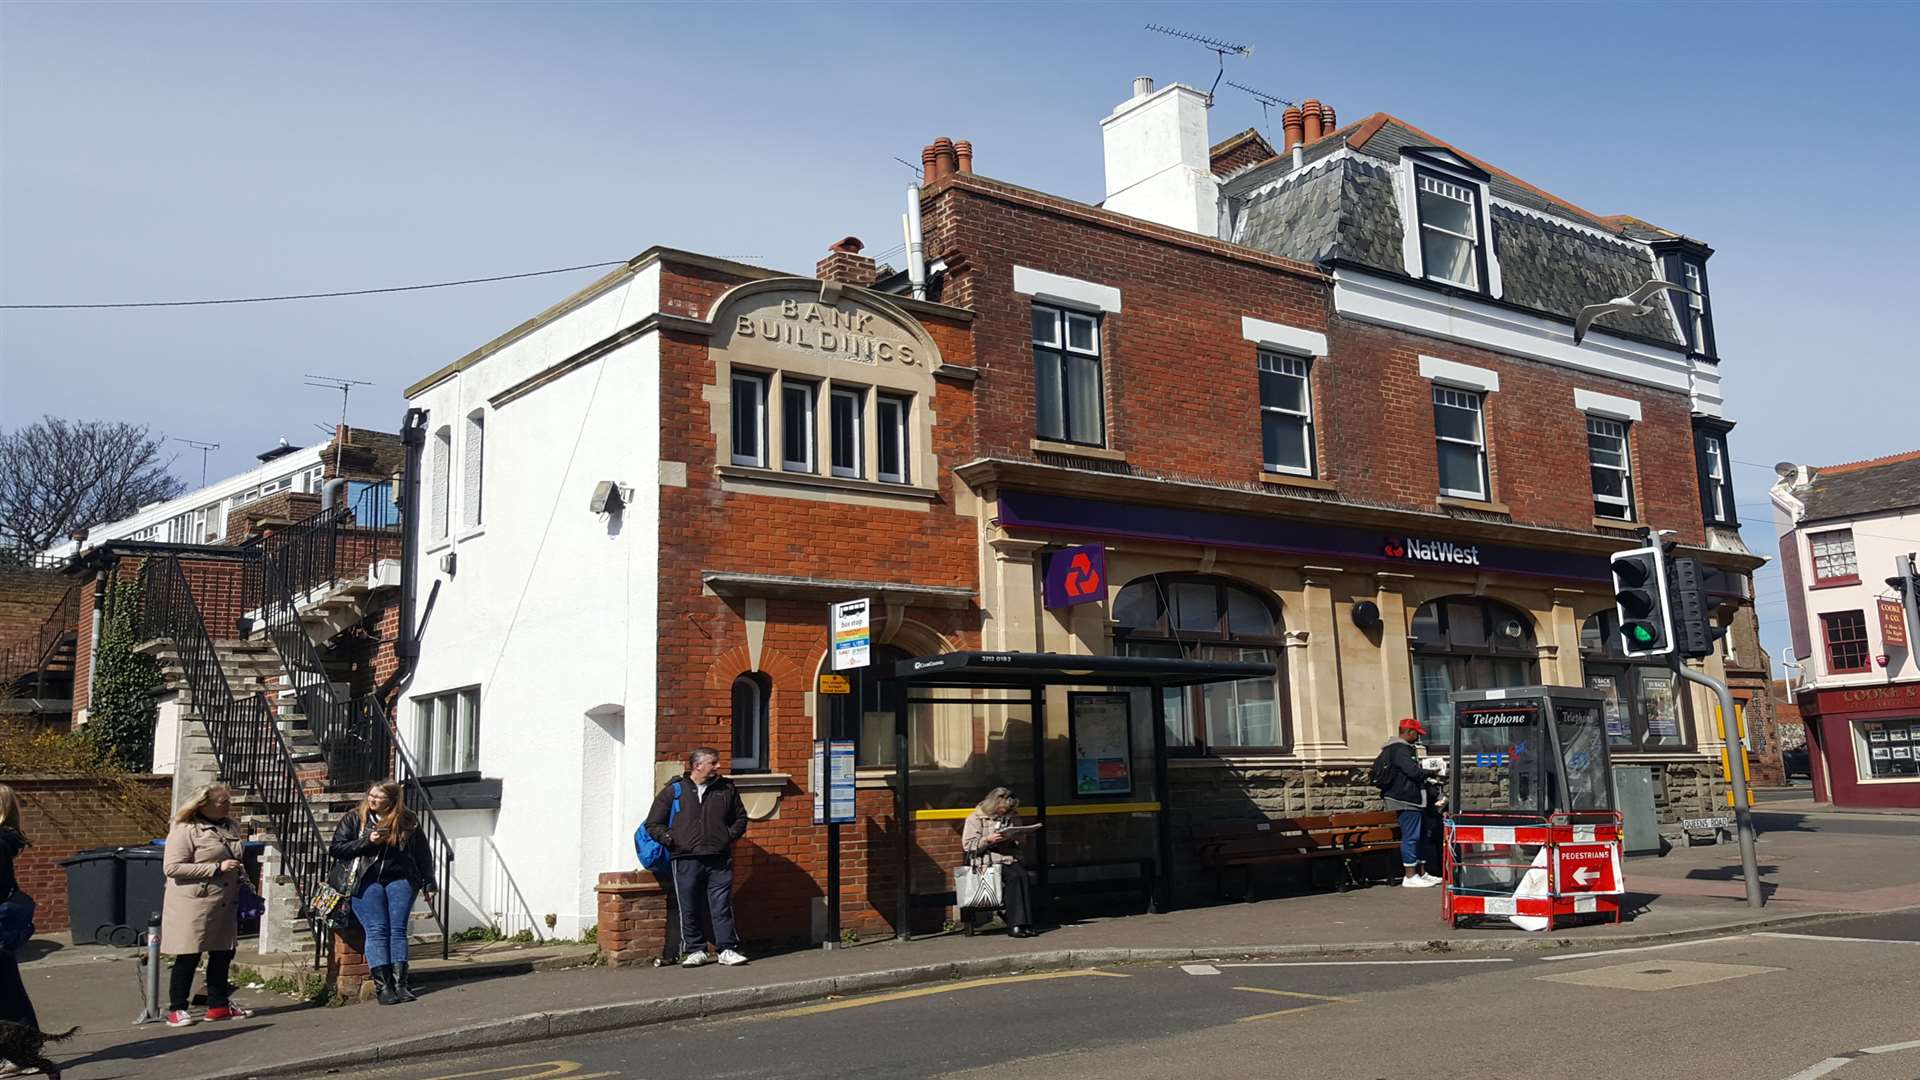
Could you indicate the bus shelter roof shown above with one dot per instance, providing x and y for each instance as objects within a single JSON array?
[{"x": 975, "y": 668}]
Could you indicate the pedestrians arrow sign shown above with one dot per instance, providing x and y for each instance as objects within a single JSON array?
[
  {"x": 1587, "y": 868},
  {"x": 1585, "y": 875}
]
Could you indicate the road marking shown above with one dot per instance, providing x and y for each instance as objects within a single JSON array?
[
  {"x": 1840, "y": 1061},
  {"x": 1892, "y": 1048},
  {"x": 1824, "y": 937},
  {"x": 552, "y": 1070},
  {"x": 1819, "y": 1069},
  {"x": 928, "y": 991},
  {"x": 1200, "y": 969},
  {"x": 1319, "y": 1000},
  {"x": 1643, "y": 948},
  {"x": 1344, "y": 963}
]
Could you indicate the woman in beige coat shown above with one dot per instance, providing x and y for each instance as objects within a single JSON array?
[
  {"x": 990, "y": 839},
  {"x": 201, "y": 910}
]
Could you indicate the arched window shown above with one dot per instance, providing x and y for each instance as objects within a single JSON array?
[
  {"x": 1467, "y": 643},
  {"x": 1646, "y": 707},
  {"x": 750, "y": 694},
  {"x": 442, "y": 479},
  {"x": 472, "y": 468},
  {"x": 1208, "y": 618}
]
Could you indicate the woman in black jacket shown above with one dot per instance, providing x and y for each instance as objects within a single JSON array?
[
  {"x": 15, "y": 1007},
  {"x": 387, "y": 864}
]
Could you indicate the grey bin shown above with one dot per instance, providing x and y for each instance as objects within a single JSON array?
[
  {"x": 1633, "y": 787},
  {"x": 112, "y": 892},
  {"x": 145, "y": 886}
]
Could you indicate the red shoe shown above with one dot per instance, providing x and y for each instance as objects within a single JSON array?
[
  {"x": 229, "y": 1012},
  {"x": 180, "y": 1018}
]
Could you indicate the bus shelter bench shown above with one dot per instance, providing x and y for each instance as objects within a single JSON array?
[
  {"x": 1244, "y": 845},
  {"x": 1074, "y": 883}
]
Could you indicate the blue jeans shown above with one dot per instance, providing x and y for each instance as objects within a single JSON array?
[
  {"x": 1410, "y": 822},
  {"x": 382, "y": 908}
]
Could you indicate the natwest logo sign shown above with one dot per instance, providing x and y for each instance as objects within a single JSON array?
[
  {"x": 1414, "y": 549},
  {"x": 1587, "y": 868}
]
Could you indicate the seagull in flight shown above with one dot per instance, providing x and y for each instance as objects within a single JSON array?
[{"x": 1638, "y": 302}]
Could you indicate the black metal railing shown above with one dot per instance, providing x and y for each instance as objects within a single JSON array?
[
  {"x": 252, "y": 753},
  {"x": 25, "y": 667},
  {"x": 358, "y": 739}
]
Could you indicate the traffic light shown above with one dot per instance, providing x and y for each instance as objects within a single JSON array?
[
  {"x": 1640, "y": 598},
  {"x": 1692, "y": 617}
]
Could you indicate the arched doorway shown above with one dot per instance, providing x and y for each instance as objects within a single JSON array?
[
  {"x": 1467, "y": 643},
  {"x": 1209, "y": 618}
]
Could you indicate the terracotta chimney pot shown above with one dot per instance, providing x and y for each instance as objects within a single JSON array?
[
  {"x": 963, "y": 151},
  {"x": 943, "y": 151},
  {"x": 1327, "y": 124},
  {"x": 1293, "y": 122},
  {"x": 1312, "y": 110}
]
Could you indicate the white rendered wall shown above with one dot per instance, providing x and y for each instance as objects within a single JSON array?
[
  {"x": 551, "y": 608},
  {"x": 1157, "y": 160},
  {"x": 1876, "y": 543}
]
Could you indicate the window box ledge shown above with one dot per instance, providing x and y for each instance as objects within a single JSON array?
[
  {"x": 1834, "y": 583},
  {"x": 1486, "y": 506},
  {"x": 1617, "y": 523},
  {"x": 1290, "y": 480},
  {"x": 474, "y": 533},
  {"x": 760, "y": 792},
  {"x": 831, "y": 483},
  {"x": 1098, "y": 453}
]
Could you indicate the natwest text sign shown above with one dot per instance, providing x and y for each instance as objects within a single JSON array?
[{"x": 1587, "y": 868}]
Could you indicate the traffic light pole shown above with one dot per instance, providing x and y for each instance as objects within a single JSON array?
[{"x": 1742, "y": 819}]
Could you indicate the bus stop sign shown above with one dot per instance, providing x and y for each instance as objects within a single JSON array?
[{"x": 1587, "y": 868}]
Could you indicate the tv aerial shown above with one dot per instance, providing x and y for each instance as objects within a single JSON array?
[
  {"x": 205, "y": 448},
  {"x": 1266, "y": 101},
  {"x": 1223, "y": 49}
]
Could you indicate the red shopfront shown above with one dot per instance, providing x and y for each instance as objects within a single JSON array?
[{"x": 1866, "y": 744}]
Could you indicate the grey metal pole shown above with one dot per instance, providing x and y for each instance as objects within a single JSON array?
[
  {"x": 150, "y": 989},
  {"x": 1742, "y": 819}
]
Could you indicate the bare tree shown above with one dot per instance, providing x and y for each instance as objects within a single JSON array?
[{"x": 60, "y": 475}]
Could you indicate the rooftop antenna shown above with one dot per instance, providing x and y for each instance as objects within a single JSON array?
[
  {"x": 908, "y": 164},
  {"x": 345, "y": 386},
  {"x": 1266, "y": 101},
  {"x": 1221, "y": 48},
  {"x": 205, "y": 448}
]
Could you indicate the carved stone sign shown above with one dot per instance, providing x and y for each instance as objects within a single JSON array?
[{"x": 775, "y": 327}]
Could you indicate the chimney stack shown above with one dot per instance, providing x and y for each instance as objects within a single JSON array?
[
  {"x": 963, "y": 154},
  {"x": 1294, "y": 123},
  {"x": 1312, "y": 116},
  {"x": 844, "y": 263},
  {"x": 1157, "y": 158}
]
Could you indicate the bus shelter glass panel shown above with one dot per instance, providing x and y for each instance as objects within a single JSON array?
[{"x": 961, "y": 748}]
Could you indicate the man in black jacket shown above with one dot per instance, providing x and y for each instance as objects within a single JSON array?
[
  {"x": 1409, "y": 789},
  {"x": 699, "y": 836}
]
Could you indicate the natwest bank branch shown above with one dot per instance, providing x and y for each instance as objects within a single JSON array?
[{"x": 1866, "y": 743}]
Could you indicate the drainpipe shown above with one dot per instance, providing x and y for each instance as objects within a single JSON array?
[
  {"x": 93, "y": 635},
  {"x": 916, "y": 245},
  {"x": 413, "y": 435}
]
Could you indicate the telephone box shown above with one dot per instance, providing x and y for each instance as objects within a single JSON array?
[{"x": 1532, "y": 833}]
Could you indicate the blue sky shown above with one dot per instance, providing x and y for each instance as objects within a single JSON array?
[{"x": 169, "y": 151}]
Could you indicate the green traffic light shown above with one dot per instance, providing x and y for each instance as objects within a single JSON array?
[{"x": 1641, "y": 634}]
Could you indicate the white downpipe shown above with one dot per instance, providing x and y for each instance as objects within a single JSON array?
[{"x": 916, "y": 245}]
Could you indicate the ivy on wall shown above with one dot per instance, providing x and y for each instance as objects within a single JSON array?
[{"x": 121, "y": 717}]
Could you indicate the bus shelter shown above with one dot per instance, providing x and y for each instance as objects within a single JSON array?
[{"x": 1090, "y": 762}]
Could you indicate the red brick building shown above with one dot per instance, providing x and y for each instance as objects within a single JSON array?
[{"x": 1321, "y": 407}]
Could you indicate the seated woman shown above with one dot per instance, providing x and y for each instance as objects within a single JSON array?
[{"x": 989, "y": 839}]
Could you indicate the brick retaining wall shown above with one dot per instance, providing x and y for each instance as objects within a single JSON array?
[{"x": 67, "y": 814}]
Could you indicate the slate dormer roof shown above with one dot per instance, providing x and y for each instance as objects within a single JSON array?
[{"x": 1555, "y": 257}]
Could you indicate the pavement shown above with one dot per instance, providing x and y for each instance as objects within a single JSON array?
[{"x": 1814, "y": 866}]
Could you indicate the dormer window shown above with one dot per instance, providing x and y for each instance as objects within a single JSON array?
[
  {"x": 1692, "y": 313},
  {"x": 1450, "y": 230}
]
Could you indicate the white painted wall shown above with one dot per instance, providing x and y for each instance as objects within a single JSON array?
[
  {"x": 1876, "y": 543},
  {"x": 551, "y": 608},
  {"x": 1157, "y": 160}
]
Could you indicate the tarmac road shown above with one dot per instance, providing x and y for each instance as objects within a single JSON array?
[{"x": 1768, "y": 1006}]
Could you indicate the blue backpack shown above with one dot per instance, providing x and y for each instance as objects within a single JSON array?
[{"x": 653, "y": 854}]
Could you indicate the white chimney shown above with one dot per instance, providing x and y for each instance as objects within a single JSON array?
[{"x": 1157, "y": 158}]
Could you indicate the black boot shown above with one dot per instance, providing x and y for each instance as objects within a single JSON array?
[
  {"x": 400, "y": 982},
  {"x": 383, "y": 985}
]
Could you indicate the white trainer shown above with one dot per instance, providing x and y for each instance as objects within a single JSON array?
[
  {"x": 1432, "y": 880},
  {"x": 1419, "y": 881},
  {"x": 697, "y": 959},
  {"x": 731, "y": 958}
]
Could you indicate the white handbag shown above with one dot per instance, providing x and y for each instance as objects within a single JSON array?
[{"x": 978, "y": 888}]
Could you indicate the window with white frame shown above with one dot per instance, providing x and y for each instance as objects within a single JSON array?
[
  {"x": 473, "y": 464},
  {"x": 750, "y": 418},
  {"x": 1068, "y": 400},
  {"x": 891, "y": 412},
  {"x": 1449, "y": 229},
  {"x": 1286, "y": 413},
  {"x": 798, "y": 430},
  {"x": 216, "y": 522},
  {"x": 442, "y": 479},
  {"x": 847, "y": 435},
  {"x": 1611, "y": 466},
  {"x": 750, "y": 728},
  {"x": 1460, "y": 431},
  {"x": 1716, "y": 485},
  {"x": 446, "y": 732},
  {"x": 1833, "y": 557}
]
